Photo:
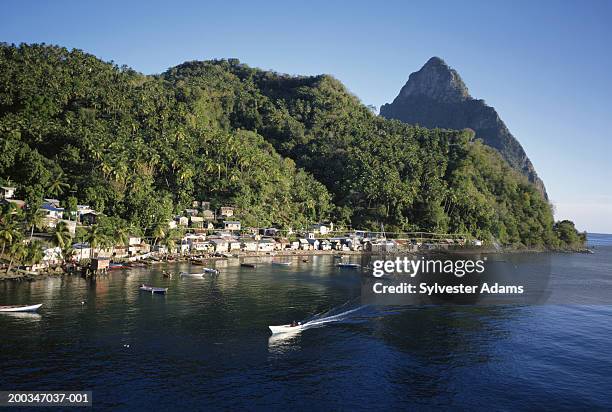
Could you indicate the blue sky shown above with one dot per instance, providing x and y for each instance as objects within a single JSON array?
[{"x": 545, "y": 66}]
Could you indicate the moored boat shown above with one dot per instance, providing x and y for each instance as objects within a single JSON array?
[
  {"x": 116, "y": 266},
  {"x": 281, "y": 263},
  {"x": 348, "y": 265},
  {"x": 153, "y": 289},
  {"x": 248, "y": 265},
  {"x": 20, "y": 308}
]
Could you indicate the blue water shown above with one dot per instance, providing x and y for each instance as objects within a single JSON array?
[{"x": 206, "y": 346}]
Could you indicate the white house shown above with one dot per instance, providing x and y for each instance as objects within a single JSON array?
[
  {"x": 197, "y": 221},
  {"x": 304, "y": 245},
  {"x": 322, "y": 229},
  {"x": 314, "y": 244},
  {"x": 249, "y": 245},
  {"x": 231, "y": 225},
  {"x": 220, "y": 244},
  {"x": 81, "y": 251},
  {"x": 266, "y": 245},
  {"x": 7, "y": 192},
  {"x": 227, "y": 211}
]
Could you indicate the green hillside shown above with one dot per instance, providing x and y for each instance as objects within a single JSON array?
[{"x": 286, "y": 150}]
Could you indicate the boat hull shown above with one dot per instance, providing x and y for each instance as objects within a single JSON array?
[
  {"x": 285, "y": 329},
  {"x": 13, "y": 309}
]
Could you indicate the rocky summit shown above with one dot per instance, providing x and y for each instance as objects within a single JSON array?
[{"x": 436, "y": 96}]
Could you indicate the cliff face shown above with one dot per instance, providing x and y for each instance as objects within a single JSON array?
[{"x": 436, "y": 96}]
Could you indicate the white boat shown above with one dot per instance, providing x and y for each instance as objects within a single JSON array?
[
  {"x": 205, "y": 271},
  {"x": 281, "y": 263},
  {"x": 17, "y": 308},
  {"x": 348, "y": 265},
  {"x": 285, "y": 329}
]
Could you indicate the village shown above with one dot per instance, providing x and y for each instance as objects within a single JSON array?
[{"x": 208, "y": 233}]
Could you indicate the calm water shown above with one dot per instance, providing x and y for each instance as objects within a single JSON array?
[{"x": 206, "y": 344}]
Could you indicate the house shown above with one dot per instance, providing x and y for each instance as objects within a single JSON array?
[
  {"x": 325, "y": 245},
  {"x": 304, "y": 245},
  {"x": 208, "y": 214},
  {"x": 195, "y": 204},
  {"x": 383, "y": 246},
  {"x": 227, "y": 211},
  {"x": 52, "y": 211},
  {"x": 233, "y": 245},
  {"x": 271, "y": 231},
  {"x": 70, "y": 225},
  {"x": 81, "y": 251},
  {"x": 52, "y": 256},
  {"x": 53, "y": 202},
  {"x": 220, "y": 245},
  {"x": 266, "y": 245},
  {"x": 191, "y": 212},
  {"x": 137, "y": 246},
  {"x": 7, "y": 192},
  {"x": 197, "y": 221},
  {"x": 310, "y": 235},
  {"x": 249, "y": 245},
  {"x": 171, "y": 224},
  {"x": 322, "y": 229},
  {"x": 295, "y": 245},
  {"x": 314, "y": 244},
  {"x": 82, "y": 210},
  {"x": 182, "y": 220},
  {"x": 89, "y": 218},
  {"x": 231, "y": 225}
]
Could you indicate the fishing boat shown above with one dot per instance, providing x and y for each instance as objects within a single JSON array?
[
  {"x": 20, "y": 308},
  {"x": 153, "y": 289},
  {"x": 192, "y": 275},
  {"x": 248, "y": 265},
  {"x": 281, "y": 263},
  {"x": 115, "y": 266},
  {"x": 286, "y": 329},
  {"x": 348, "y": 265},
  {"x": 205, "y": 271}
]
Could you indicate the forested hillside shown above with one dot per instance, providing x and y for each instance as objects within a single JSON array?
[{"x": 283, "y": 149}]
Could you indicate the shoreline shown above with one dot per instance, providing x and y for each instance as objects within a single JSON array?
[{"x": 58, "y": 271}]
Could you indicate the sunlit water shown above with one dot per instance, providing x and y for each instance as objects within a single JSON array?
[{"x": 206, "y": 344}]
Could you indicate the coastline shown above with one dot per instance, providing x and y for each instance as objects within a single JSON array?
[{"x": 60, "y": 270}]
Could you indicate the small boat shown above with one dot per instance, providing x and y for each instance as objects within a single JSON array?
[
  {"x": 348, "y": 265},
  {"x": 193, "y": 275},
  {"x": 115, "y": 266},
  {"x": 248, "y": 265},
  {"x": 20, "y": 308},
  {"x": 197, "y": 262},
  {"x": 205, "y": 271},
  {"x": 305, "y": 260},
  {"x": 339, "y": 257},
  {"x": 281, "y": 263},
  {"x": 153, "y": 289},
  {"x": 286, "y": 329}
]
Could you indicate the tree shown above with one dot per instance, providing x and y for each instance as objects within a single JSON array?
[
  {"x": 17, "y": 251},
  {"x": 61, "y": 235}
]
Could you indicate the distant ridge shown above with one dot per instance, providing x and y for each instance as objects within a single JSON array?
[{"x": 436, "y": 96}]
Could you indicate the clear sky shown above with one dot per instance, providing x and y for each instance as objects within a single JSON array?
[{"x": 546, "y": 66}]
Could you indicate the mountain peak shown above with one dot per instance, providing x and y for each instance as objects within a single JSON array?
[{"x": 437, "y": 81}]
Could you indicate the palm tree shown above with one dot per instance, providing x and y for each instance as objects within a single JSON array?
[
  {"x": 94, "y": 237},
  {"x": 67, "y": 252},
  {"x": 61, "y": 236},
  {"x": 159, "y": 232},
  {"x": 57, "y": 185},
  {"x": 18, "y": 251},
  {"x": 8, "y": 233},
  {"x": 36, "y": 220},
  {"x": 35, "y": 252}
]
